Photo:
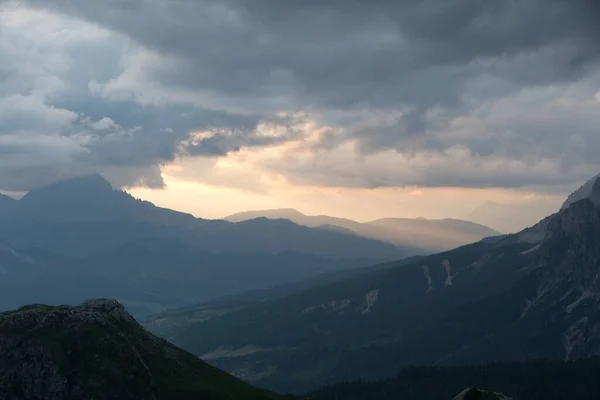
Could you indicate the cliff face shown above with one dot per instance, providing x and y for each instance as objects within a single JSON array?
[
  {"x": 60, "y": 353},
  {"x": 570, "y": 253},
  {"x": 569, "y": 290},
  {"x": 98, "y": 351}
]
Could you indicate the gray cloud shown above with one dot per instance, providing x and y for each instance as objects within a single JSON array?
[
  {"x": 390, "y": 74},
  {"x": 220, "y": 144},
  {"x": 352, "y": 52},
  {"x": 52, "y": 125}
]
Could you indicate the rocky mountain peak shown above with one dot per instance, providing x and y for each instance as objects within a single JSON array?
[
  {"x": 109, "y": 307},
  {"x": 38, "y": 316},
  {"x": 87, "y": 186},
  {"x": 85, "y": 198},
  {"x": 583, "y": 192}
]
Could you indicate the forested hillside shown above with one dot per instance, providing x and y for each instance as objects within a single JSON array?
[{"x": 533, "y": 380}]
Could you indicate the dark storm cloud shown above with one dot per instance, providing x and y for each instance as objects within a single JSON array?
[
  {"x": 424, "y": 62},
  {"x": 355, "y": 53},
  {"x": 149, "y": 135},
  {"x": 220, "y": 144},
  {"x": 342, "y": 53},
  {"x": 52, "y": 125}
]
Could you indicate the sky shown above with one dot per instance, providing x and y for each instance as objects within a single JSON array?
[{"x": 354, "y": 108}]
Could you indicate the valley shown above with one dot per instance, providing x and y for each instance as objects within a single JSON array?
[{"x": 524, "y": 296}]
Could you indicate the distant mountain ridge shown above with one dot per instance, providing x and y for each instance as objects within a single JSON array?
[
  {"x": 93, "y": 216},
  {"x": 423, "y": 235},
  {"x": 534, "y": 294},
  {"x": 82, "y": 237}
]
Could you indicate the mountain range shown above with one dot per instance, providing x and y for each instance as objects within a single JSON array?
[
  {"x": 533, "y": 294},
  {"x": 304, "y": 310},
  {"x": 85, "y": 215},
  {"x": 80, "y": 238},
  {"x": 423, "y": 235}
]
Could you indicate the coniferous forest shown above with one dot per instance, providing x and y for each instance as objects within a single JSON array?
[{"x": 531, "y": 380}]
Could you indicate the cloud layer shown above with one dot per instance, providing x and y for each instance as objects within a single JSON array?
[{"x": 335, "y": 93}]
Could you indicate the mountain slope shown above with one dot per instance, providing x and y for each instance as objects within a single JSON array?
[
  {"x": 528, "y": 295},
  {"x": 172, "y": 322},
  {"x": 4, "y": 199},
  {"x": 36, "y": 276},
  {"x": 418, "y": 235},
  {"x": 98, "y": 351},
  {"x": 176, "y": 273},
  {"x": 370, "y": 325},
  {"x": 149, "y": 276},
  {"x": 561, "y": 317}
]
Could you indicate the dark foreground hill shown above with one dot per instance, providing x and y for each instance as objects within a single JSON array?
[{"x": 98, "y": 351}]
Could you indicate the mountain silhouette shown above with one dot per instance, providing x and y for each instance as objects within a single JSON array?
[{"x": 82, "y": 237}]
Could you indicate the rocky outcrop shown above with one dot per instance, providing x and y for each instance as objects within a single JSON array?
[
  {"x": 72, "y": 352},
  {"x": 98, "y": 351},
  {"x": 581, "y": 193}
]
